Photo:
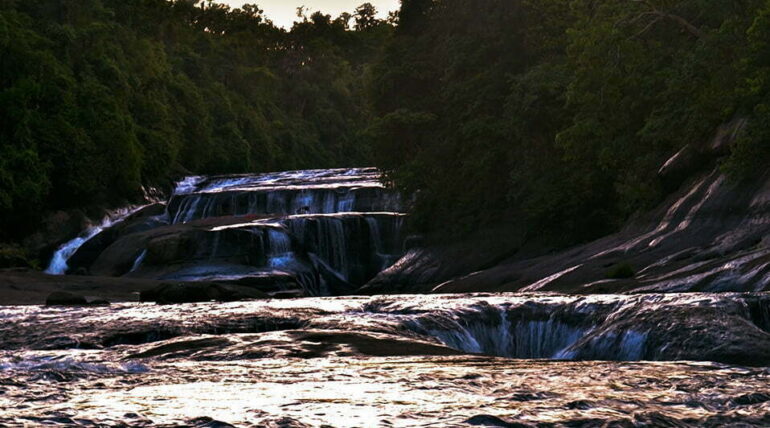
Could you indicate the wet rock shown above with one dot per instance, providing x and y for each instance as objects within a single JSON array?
[
  {"x": 207, "y": 422},
  {"x": 423, "y": 268},
  {"x": 142, "y": 220},
  {"x": 707, "y": 236},
  {"x": 172, "y": 248},
  {"x": 53, "y": 420},
  {"x": 182, "y": 347},
  {"x": 63, "y": 298},
  {"x": 284, "y": 422},
  {"x": 199, "y": 292},
  {"x": 531, "y": 396},
  {"x": 725, "y": 136},
  {"x": 579, "y": 405},
  {"x": 749, "y": 399},
  {"x": 494, "y": 421},
  {"x": 56, "y": 229},
  {"x": 679, "y": 167},
  {"x": 372, "y": 345}
]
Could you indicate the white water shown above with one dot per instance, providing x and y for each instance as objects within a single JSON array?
[
  {"x": 69, "y": 364},
  {"x": 280, "y": 252},
  {"x": 188, "y": 185},
  {"x": 58, "y": 264}
]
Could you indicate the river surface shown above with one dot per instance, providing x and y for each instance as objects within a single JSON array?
[
  {"x": 386, "y": 361},
  {"x": 331, "y": 358}
]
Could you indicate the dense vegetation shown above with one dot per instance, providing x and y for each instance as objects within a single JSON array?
[
  {"x": 555, "y": 115},
  {"x": 550, "y": 115},
  {"x": 101, "y": 97}
]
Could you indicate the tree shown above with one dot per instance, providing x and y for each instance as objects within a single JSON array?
[{"x": 366, "y": 17}]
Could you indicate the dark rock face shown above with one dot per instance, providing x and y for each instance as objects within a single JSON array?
[
  {"x": 144, "y": 219},
  {"x": 62, "y": 298},
  {"x": 711, "y": 236},
  {"x": 199, "y": 292}
]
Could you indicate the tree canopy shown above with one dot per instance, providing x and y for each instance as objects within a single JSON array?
[
  {"x": 555, "y": 115},
  {"x": 101, "y": 97},
  {"x": 552, "y": 116}
]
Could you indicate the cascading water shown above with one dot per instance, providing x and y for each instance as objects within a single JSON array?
[
  {"x": 58, "y": 264},
  {"x": 138, "y": 261},
  {"x": 289, "y": 193},
  {"x": 279, "y": 248},
  {"x": 493, "y": 331},
  {"x": 326, "y": 228}
]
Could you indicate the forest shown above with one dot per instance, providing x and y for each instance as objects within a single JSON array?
[{"x": 550, "y": 116}]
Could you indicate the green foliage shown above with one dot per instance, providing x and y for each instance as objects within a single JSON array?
[
  {"x": 552, "y": 116},
  {"x": 555, "y": 115},
  {"x": 101, "y": 97}
]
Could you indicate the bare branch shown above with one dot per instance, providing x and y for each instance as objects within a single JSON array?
[
  {"x": 654, "y": 11},
  {"x": 646, "y": 28}
]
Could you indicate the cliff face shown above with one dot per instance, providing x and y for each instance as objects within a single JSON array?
[{"x": 711, "y": 234}]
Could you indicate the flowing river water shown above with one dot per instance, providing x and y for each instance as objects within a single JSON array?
[{"x": 330, "y": 358}]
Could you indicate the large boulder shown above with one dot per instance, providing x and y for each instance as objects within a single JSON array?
[
  {"x": 63, "y": 298},
  {"x": 12, "y": 256},
  {"x": 143, "y": 220}
]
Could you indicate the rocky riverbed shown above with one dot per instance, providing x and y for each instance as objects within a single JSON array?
[
  {"x": 459, "y": 360},
  {"x": 269, "y": 327}
]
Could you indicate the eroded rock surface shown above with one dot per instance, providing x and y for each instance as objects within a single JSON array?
[{"x": 712, "y": 235}]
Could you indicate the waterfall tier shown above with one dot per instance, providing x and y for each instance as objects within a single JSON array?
[{"x": 329, "y": 231}]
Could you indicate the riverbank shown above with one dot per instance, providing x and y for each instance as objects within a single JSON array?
[{"x": 30, "y": 287}]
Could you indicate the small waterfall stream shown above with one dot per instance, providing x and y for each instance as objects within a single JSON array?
[
  {"x": 496, "y": 332},
  {"x": 58, "y": 264}
]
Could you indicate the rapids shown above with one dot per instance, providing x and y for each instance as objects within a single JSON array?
[{"x": 392, "y": 361}]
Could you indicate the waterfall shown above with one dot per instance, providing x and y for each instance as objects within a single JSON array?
[
  {"x": 58, "y": 264},
  {"x": 279, "y": 248},
  {"x": 499, "y": 336},
  {"x": 303, "y": 203},
  {"x": 325, "y": 228},
  {"x": 138, "y": 261},
  {"x": 332, "y": 245},
  {"x": 187, "y": 185},
  {"x": 346, "y": 202},
  {"x": 187, "y": 209},
  {"x": 376, "y": 241},
  {"x": 275, "y": 203},
  {"x": 329, "y": 203}
]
